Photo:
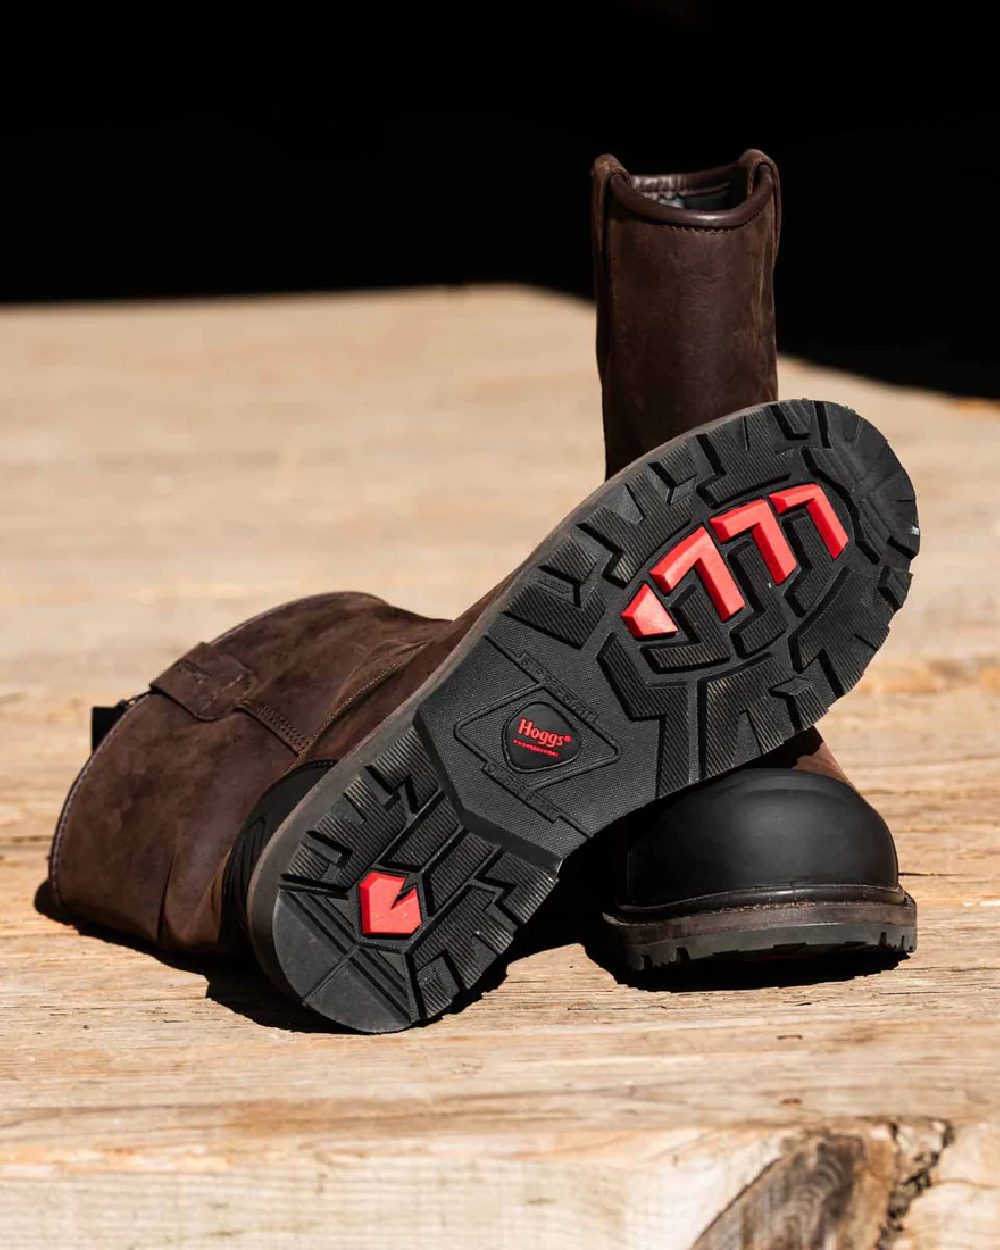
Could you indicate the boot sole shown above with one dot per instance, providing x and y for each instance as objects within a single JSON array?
[
  {"x": 800, "y": 929},
  {"x": 583, "y": 694}
]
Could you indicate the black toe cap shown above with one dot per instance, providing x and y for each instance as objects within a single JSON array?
[{"x": 753, "y": 829}]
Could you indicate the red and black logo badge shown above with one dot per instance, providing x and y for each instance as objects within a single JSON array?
[{"x": 540, "y": 737}]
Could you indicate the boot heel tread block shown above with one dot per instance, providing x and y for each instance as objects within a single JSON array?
[{"x": 473, "y": 898}]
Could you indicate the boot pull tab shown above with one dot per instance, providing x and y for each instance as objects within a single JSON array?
[
  {"x": 605, "y": 168},
  {"x": 206, "y": 682},
  {"x": 754, "y": 163}
]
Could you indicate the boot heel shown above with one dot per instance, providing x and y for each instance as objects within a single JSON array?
[{"x": 388, "y": 908}]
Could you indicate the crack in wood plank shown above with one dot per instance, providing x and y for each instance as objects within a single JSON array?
[{"x": 833, "y": 1190}]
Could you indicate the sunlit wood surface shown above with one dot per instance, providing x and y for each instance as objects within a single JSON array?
[{"x": 168, "y": 471}]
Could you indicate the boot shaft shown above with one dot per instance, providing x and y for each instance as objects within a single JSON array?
[{"x": 685, "y": 305}]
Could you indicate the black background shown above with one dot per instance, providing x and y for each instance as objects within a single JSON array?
[{"x": 429, "y": 146}]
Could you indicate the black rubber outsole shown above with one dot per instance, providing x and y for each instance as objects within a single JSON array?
[
  {"x": 408, "y": 869},
  {"x": 807, "y": 929}
]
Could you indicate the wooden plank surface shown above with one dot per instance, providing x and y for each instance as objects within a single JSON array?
[{"x": 168, "y": 471}]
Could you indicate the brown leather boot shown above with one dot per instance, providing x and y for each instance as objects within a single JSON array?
[
  {"x": 147, "y": 828},
  {"x": 662, "y": 635},
  {"x": 784, "y": 856}
]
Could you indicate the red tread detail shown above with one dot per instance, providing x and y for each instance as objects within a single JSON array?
[
  {"x": 384, "y": 910},
  {"x": 759, "y": 519},
  {"x": 698, "y": 552},
  {"x": 646, "y": 617},
  {"x": 820, "y": 510}
]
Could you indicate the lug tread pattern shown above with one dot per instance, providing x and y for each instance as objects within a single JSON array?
[
  {"x": 746, "y": 457},
  {"x": 701, "y": 640},
  {"x": 631, "y": 527},
  {"x": 556, "y": 603},
  {"x": 567, "y": 620}
]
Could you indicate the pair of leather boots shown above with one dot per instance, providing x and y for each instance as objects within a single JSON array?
[{"x": 377, "y": 802}]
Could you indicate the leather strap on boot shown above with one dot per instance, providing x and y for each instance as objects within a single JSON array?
[{"x": 209, "y": 684}]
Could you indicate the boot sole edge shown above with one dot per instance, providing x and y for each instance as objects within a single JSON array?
[{"x": 810, "y": 929}]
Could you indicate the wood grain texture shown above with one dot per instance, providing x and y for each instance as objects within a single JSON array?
[{"x": 169, "y": 471}]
